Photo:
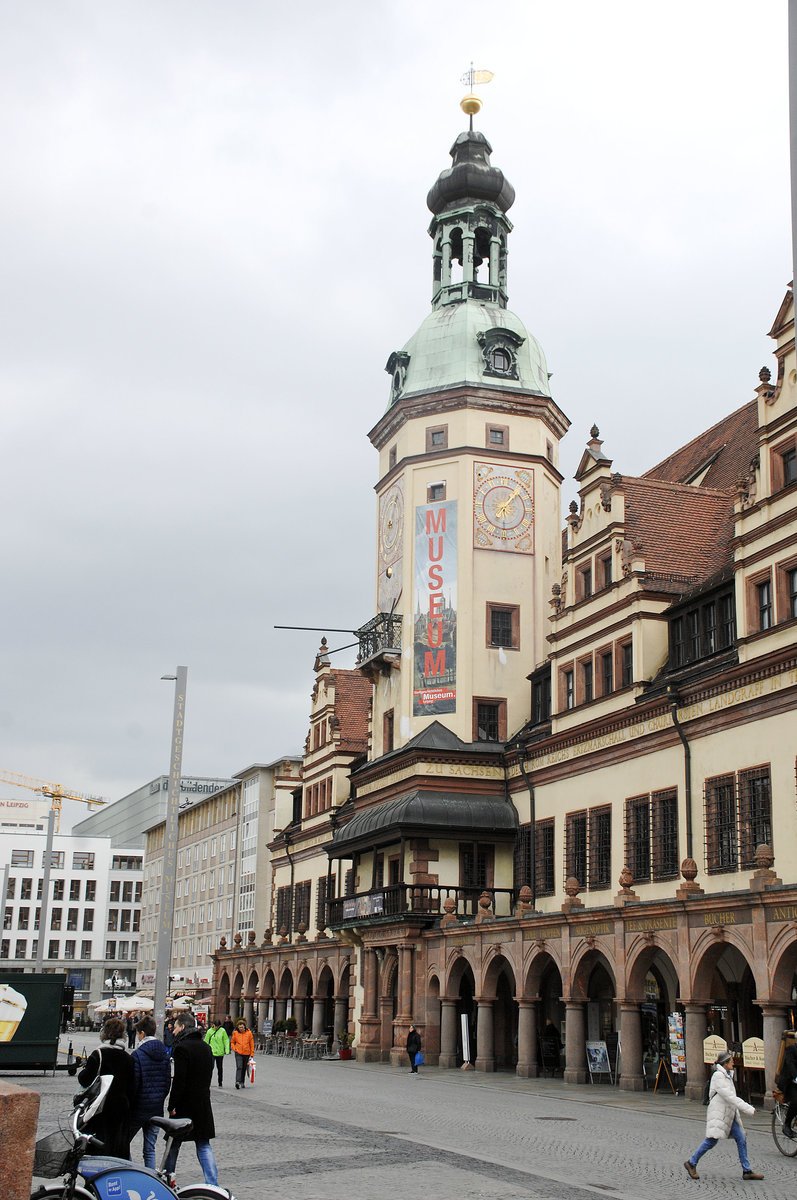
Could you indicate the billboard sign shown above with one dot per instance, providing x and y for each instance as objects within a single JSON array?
[
  {"x": 30, "y": 1019},
  {"x": 435, "y": 610}
]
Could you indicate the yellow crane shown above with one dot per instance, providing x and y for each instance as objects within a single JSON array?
[{"x": 55, "y": 792}]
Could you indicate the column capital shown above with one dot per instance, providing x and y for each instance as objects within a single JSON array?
[{"x": 773, "y": 1008}]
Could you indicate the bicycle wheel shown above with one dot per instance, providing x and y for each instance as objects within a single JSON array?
[
  {"x": 787, "y": 1146},
  {"x": 58, "y": 1191},
  {"x": 204, "y": 1191}
]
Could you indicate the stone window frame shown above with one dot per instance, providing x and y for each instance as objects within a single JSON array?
[
  {"x": 431, "y": 487},
  {"x": 754, "y": 596},
  {"x": 492, "y": 606},
  {"x": 441, "y": 433},
  {"x": 499, "y": 703},
  {"x": 785, "y": 597},
  {"x": 489, "y": 429},
  {"x": 785, "y": 452}
]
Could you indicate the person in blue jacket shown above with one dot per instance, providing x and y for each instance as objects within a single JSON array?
[{"x": 152, "y": 1078}]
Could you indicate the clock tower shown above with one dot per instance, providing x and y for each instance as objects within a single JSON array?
[{"x": 468, "y": 526}]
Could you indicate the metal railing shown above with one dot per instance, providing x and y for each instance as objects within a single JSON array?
[
  {"x": 418, "y": 900},
  {"x": 382, "y": 633}
]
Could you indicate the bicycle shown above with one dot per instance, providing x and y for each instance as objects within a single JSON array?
[
  {"x": 787, "y": 1146},
  {"x": 77, "y": 1155}
]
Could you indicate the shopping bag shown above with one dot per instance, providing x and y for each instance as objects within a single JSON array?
[{"x": 419, "y": 1059}]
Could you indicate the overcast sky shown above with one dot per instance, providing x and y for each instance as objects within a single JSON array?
[{"x": 213, "y": 234}]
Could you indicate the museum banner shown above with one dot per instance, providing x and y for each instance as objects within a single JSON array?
[{"x": 435, "y": 609}]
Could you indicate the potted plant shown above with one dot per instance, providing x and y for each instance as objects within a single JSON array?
[
  {"x": 290, "y": 1027},
  {"x": 345, "y": 1041},
  {"x": 279, "y": 1027}
]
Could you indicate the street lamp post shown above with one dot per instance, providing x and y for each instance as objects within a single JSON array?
[{"x": 166, "y": 911}]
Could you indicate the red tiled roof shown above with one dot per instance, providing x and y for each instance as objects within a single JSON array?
[
  {"x": 729, "y": 446},
  {"x": 682, "y": 532},
  {"x": 352, "y": 702}
]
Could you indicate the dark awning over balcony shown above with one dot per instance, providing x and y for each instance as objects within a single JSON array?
[{"x": 425, "y": 814}]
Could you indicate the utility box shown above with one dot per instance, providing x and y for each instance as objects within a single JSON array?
[{"x": 30, "y": 1020}]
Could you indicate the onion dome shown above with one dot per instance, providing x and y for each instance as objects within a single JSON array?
[{"x": 471, "y": 178}]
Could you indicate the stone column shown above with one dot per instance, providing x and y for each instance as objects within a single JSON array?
[
  {"x": 527, "y": 1067},
  {"x": 341, "y": 1013},
  {"x": 298, "y": 1012},
  {"x": 694, "y": 1033},
  {"x": 370, "y": 975},
  {"x": 485, "y": 1041},
  {"x": 448, "y": 1034},
  {"x": 405, "y": 964},
  {"x": 575, "y": 1042},
  {"x": 318, "y": 1016},
  {"x": 632, "y": 1078},
  {"x": 468, "y": 271},
  {"x": 249, "y": 1011},
  {"x": 775, "y": 1021},
  {"x": 280, "y": 1008}
]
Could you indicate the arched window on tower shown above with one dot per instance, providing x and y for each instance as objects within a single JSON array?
[
  {"x": 456, "y": 256},
  {"x": 481, "y": 252}
]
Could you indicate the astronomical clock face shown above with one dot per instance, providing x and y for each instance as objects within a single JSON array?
[
  {"x": 503, "y": 508},
  {"x": 391, "y": 546}
]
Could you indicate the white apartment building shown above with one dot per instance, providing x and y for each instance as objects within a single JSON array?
[{"x": 92, "y": 923}]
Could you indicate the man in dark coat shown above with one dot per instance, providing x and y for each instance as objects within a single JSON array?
[
  {"x": 413, "y": 1048},
  {"x": 152, "y": 1077},
  {"x": 190, "y": 1094}
]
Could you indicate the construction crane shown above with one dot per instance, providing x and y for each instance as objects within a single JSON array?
[{"x": 55, "y": 792}]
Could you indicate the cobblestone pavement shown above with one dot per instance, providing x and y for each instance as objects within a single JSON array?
[{"x": 351, "y": 1131}]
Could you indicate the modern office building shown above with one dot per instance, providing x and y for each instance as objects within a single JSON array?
[{"x": 125, "y": 821}]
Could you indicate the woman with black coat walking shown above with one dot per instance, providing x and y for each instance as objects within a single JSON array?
[
  {"x": 111, "y": 1125},
  {"x": 413, "y": 1048}
]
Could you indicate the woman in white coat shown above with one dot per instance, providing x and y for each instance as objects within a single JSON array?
[{"x": 722, "y": 1118}]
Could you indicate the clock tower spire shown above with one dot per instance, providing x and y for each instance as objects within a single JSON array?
[{"x": 468, "y": 522}]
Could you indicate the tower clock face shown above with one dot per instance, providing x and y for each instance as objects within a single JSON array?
[
  {"x": 503, "y": 508},
  {"x": 391, "y": 546}
]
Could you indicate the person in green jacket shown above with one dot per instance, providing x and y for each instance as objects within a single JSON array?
[{"x": 216, "y": 1038}]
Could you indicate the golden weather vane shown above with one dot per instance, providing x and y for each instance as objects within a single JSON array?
[{"x": 471, "y": 103}]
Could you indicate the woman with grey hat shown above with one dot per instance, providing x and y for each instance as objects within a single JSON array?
[{"x": 722, "y": 1118}]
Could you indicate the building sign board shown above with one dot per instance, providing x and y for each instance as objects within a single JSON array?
[{"x": 435, "y": 610}]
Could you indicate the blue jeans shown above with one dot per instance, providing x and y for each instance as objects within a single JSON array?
[
  {"x": 709, "y": 1144},
  {"x": 204, "y": 1153},
  {"x": 150, "y": 1137}
]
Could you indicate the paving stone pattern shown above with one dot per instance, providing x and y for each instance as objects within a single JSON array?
[{"x": 350, "y": 1131}]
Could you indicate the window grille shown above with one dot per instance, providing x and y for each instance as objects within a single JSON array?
[
  {"x": 576, "y": 847},
  {"x": 637, "y": 837},
  {"x": 545, "y": 858},
  {"x": 600, "y": 847},
  {"x": 301, "y": 904},
  {"x": 522, "y": 858},
  {"x": 321, "y": 902},
  {"x": 283, "y": 907},
  {"x": 475, "y": 864},
  {"x": 627, "y": 663},
  {"x": 664, "y": 844},
  {"x": 755, "y": 813},
  {"x": 348, "y": 886},
  {"x": 487, "y": 722},
  {"x": 720, "y": 816}
]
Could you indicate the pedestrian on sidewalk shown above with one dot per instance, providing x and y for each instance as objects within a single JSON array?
[
  {"x": 787, "y": 1083},
  {"x": 413, "y": 1048},
  {"x": 111, "y": 1125},
  {"x": 216, "y": 1038},
  {"x": 130, "y": 1026},
  {"x": 190, "y": 1094},
  {"x": 722, "y": 1118},
  {"x": 152, "y": 1077},
  {"x": 243, "y": 1045}
]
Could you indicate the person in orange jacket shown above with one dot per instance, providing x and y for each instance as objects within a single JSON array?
[{"x": 243, "y": 1046}]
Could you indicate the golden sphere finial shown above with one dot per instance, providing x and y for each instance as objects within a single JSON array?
[{"x": 470, "y": 104}]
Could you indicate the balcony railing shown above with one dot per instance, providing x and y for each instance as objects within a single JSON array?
[
  {"x": 400, "y": 899},
  {"x": 379, "y": 636}
]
